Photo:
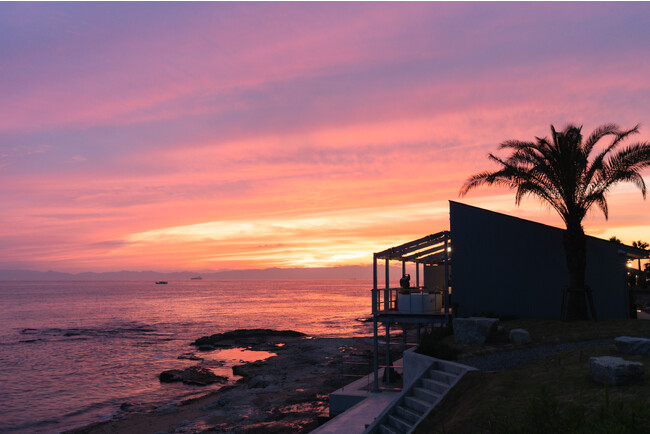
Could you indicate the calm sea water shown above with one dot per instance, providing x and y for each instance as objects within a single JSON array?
[{"x": 72, "y": 352}]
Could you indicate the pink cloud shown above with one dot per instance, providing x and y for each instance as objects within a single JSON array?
[{"x": 221, "y": 113}]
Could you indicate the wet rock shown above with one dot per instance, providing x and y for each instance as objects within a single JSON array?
[
  {"x": 130, "y": 407},
  {"x": 210, "y": 406},
  {"x": 247, "y": 369},
  {"x": 193, "y": 375},
  {"x": 189, "y": 356},
  {"x": 259, "y": 382},
  {"x": 221, "y": 402},
  {"x": 167, "y": 409},
  {"x": 296, "y": 400},
  {"x": 232, "y": 338}
]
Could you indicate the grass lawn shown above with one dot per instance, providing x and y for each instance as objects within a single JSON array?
[{"x": 555, "y": 394}]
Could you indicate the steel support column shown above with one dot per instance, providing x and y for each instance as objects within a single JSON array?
[{"x": 375, "y": 301}]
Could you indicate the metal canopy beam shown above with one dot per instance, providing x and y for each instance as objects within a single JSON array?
[
  {"x": 435, "y": 258},
  {"x": 412, "y": 248},
  {"x": 412, "y": 245},
  {"x": 419, "y": 255}
]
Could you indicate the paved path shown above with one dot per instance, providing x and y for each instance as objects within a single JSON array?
[
  {"x": 516, "y": 358},
  {"x": 356, "y": 419}
]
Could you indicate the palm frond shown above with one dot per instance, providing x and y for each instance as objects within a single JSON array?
[
  {"x": 560, "y": 171},
  {"x": 635, "y": 156},
  {"x": 598, "y": 134},
  {"x": 599, "y": 199},
  {"x": 515, "y": 144},
  {"x": 622, "y": 135}
]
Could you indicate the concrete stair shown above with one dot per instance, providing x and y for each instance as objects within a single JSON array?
[{"x": 415, "y": 402}]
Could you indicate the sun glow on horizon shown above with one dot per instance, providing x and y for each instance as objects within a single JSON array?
[{"x": 316, "y": 240}]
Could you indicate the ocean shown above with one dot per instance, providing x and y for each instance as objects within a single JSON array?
[{"x": 72, "y": 353}]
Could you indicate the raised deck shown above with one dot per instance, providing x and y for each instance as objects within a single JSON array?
[{"x": 426, "y": 304}]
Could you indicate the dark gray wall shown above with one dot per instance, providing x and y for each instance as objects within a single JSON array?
[
  {"x": 510, "y": 266},
  {"x": 434, "y": 277}
]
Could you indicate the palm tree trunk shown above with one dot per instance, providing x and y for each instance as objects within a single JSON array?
[{"x": 575, "y": 249}]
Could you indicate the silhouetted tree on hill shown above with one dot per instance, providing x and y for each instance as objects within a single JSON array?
[{"x": 559, "y": 171}]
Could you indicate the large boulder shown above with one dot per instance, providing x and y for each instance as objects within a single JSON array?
[
  {"x": 630, "y": 345},
  {"x": 473, "y": 330},
  {"x": 192, "y": 375},
  {"x": 614, "y": 371},
  {"x": 519, "y": 336}
]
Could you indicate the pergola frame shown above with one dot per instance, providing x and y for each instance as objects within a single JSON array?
[{"x": 432, "y": 249}]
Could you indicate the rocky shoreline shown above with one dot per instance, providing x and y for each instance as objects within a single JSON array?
[{"x": 287, "y": 392}]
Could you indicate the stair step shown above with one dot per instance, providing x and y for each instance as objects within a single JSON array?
[
  {"x": 442, "y": 376},
  {"x": 399, "y": 424},
  {"x": 425, "y": 395},
  {"x": 434, "y": 386},
  {"x": 408, "y": 413},
  {"x": 450, "y": 368},
  {"x": 385, "y": 429},
  {"x": 416, "y": 404}
]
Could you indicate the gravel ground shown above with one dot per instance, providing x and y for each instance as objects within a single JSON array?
[{"x": 516, "y": 358}]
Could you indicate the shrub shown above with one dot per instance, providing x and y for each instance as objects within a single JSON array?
[{"x": 431, "y": 344}]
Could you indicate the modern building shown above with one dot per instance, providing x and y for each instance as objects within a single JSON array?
[
  {"x": 505, "y": 265},
  {"x": 492, "y": 264}
]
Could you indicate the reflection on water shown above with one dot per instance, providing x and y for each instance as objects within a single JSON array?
[
  {"x": 73, "y": 352},
  {"x": 240, "y": 355}
]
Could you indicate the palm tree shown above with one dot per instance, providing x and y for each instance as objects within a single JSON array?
[{"x": 560, "y": 172}]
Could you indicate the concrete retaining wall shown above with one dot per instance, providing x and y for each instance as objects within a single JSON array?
[{"x": 414, "y": 365}]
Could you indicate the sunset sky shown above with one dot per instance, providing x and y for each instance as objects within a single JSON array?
[{"x": 190, "y": 136}]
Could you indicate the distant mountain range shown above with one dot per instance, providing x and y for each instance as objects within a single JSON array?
[{"x": 344, "y": 272}]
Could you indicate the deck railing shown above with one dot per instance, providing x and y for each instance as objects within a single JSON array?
[{"x": 387, "y": 300}]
